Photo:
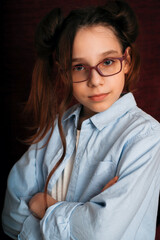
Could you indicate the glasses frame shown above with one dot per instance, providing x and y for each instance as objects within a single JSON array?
[{"x": 90, "y": 68}]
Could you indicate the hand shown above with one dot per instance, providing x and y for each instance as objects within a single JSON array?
[
  {"x": 38, "y": 204},
  {"x": 110, "y": 183}
]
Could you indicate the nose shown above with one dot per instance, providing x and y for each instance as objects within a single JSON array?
[{"x": 95, "y": 78}]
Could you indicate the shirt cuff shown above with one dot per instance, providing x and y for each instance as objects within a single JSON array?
[
  {"x": 30, "y": 229},
  {"x": 56, "y": 221}
]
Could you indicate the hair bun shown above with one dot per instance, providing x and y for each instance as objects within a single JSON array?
[
  {"x": 125, "y": 19},
  {"x": 46, "y": 33}
]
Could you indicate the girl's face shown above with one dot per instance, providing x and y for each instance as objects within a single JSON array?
[{"x": 91, "y": 46}]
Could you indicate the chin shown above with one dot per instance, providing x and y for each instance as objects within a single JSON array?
[{"x": 98, "y": 109}]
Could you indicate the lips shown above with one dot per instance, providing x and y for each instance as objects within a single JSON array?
[{"x": 98, "y": 97}]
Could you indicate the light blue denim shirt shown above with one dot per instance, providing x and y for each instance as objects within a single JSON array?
[{"x": 122, "y": 141}]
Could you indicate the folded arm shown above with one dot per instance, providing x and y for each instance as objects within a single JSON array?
[
  {"x": 117, "y": 212},
  {"x": 110, "y": 214}
]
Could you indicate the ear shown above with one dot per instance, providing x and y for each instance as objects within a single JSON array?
[{"x": 127, "y": 61}]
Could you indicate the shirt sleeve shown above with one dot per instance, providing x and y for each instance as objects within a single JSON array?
[
  {"x": 23, "y": 183},
  {"x": 112, "y": 213}
]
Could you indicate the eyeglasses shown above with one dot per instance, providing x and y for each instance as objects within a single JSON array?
[{"x": 108, "y": 67}]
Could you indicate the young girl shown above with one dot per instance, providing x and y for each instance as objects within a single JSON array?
[{"x": 93, "y": 170}]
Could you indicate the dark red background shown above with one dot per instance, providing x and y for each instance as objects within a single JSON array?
[{"x": 18, "y": 21}]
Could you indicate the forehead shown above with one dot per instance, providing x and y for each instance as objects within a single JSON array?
[{"x": 95, "y": 40}]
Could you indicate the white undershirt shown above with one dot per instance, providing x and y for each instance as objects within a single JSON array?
[{"x": 59, "y": 190}]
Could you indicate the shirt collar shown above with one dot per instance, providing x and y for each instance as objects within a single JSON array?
[
  {"x": 102, "y": 119},
  {"x": 116, "y": 111},
  {"x": 73, "y": 112}
]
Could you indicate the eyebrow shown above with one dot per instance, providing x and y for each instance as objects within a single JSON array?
[{"x": 105, "y": 54}]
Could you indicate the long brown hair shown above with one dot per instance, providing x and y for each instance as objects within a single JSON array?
[{"x": 52, "y": 73}]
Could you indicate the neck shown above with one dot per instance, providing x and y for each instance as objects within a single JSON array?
[{"x": 84, "y": 114}]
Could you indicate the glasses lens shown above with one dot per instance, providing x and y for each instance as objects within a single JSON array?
[
  {"x": 109, "y": 66},
  {"x": 80, "y": 73},
  {"x": 106, "y": 68}
]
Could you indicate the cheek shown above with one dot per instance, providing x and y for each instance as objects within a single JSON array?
[
  {"x": 77, "y": 91},
  {"x": 74, "y": 91},
  {"x": 118, "y": 82}
]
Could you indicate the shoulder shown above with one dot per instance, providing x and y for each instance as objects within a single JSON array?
[
  {"x": 142, "y": 122},
  {"x": 54, "y": 132},
  {"x": 134, "y": 126},
  {"x": 140, "y": 134}
]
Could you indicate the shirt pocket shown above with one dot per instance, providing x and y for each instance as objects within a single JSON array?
[{"x": 103, "y": 172}]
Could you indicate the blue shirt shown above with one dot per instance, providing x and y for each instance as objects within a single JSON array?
[{"x": 122, "y": 141}]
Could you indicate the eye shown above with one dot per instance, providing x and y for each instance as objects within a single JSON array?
[
  {"x": 108, "y": 62},
  {"x": 78, "y": 67}
]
